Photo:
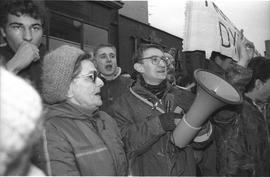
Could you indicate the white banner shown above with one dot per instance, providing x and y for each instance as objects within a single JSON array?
[{"x": 208, "y": 29}]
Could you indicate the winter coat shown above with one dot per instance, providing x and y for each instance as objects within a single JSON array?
[
  {"x": 80, "y": 142},
  {"x": 112, "y": 89},
  {"x": 149, "y": 149},
  {"x": 240, "y": 132},
  {"x": 32, "y": 72},
  {"x": 242, "y": 141}
]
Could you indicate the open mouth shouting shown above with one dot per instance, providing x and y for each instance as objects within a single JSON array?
[{"x": 109, "y": 67}]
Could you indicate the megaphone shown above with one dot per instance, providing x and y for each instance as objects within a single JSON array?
[{"x": 213, "y": 92}]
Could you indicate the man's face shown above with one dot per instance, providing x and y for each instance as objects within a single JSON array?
[
  {"x": 85, "y": 88},
  {"x": 263, "y": 91},
  {"x": 20, "y": 29},
  {"x": 153, "y": 74},
  {"x": 106, "y": 61}
]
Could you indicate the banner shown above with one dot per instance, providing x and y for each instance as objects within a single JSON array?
[{"x": 208, "y": 29}]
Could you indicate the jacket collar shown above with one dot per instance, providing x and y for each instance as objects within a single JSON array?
[
  {"x": 146, "y": 94},
  {"x": 114, "y": 76},
  {"x": 69, "y": 110}
]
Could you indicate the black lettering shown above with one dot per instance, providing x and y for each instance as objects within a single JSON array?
[
  {"x": 224, "y": 34},
  {"x": 233, "y": 36}
]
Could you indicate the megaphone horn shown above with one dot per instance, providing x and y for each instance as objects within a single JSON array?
[{"x": 213, "y": 92}]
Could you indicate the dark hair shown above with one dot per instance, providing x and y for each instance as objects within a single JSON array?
[
  {"x": 35, "y": 9},
  {"x": 102, "y": 46},
  {"x": 215, "y": 54},
  {"x": 143, "y": 47},
  {"x": 261, "y": 70},
  {"x": 77, "y": 67}
]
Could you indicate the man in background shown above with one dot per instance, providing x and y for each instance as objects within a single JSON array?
[{"x": 114, "y": 82}]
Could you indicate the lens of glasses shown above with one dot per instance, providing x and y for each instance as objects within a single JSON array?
[
  {"x": 156, "y": 60},
  {"x": 93, "y": 76}
]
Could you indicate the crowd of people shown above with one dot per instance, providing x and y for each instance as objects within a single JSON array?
[{"x": 65, "y": 112}]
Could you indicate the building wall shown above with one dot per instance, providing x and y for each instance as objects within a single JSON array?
[
  {"x": 132, "y": 33},
  {"x": 267, "y": 49},
  {"x": 100, "y": 14},
  {"x": 137, "y": 10}
]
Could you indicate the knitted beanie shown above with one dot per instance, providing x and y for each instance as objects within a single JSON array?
[
  {"x": 58, "y": 68},
  {"x": 20, "y": 112}
]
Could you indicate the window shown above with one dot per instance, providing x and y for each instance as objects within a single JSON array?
[
  {"x": 68, "y": 30},
  {"x": 94, "y": 36}
]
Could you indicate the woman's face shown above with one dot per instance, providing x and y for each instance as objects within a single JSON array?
[{"x": 85, "y": 87}]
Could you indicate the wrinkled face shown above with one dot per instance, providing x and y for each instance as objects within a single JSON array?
[
  {"x": 22, "y": 28},
  {"x": 153, "y": 74},
  {"x": 263, "y": 91},
  {"x": 85, "y": 88},
  {"x": 106, "y": 61}
]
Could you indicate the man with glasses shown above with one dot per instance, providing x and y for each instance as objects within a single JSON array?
[
  {"x": 114, "y": 82},
  {"x": 147, "y": 114}
]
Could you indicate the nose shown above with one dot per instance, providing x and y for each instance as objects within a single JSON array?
[
  {"x": 99, "y": 82},
  {"x": 27, "y": 35},
  {"x": 108, "y": 58},
  {"x": 162, "y": 63}
]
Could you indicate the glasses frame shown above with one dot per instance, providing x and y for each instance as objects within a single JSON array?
[
  {"x": 162, "y": 58},
  {"x": 95, "y": 74}
]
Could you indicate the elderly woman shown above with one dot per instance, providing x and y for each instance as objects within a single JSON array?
[{"x": 78, "y": 139}]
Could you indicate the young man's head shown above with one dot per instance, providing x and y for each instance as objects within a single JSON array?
[
  {"x": 223, "y": 61},
  {"x": 151, "y": 63},
  {"x": 21, "y": 20},
  {"x": 105, "y": 59},
  {"x": 258, "y": 88}
]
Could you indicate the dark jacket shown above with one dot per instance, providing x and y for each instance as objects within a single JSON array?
[
  {"x": 242, "y": 141},
  {"x": 238, "y": 77},
  {"x": 149, "y": 149},
  {"x": 112, "y": 89},
  {"x": 32, "y": 72},
  {"x": 79, "y": 142},
  {"x": 240, "y": 132}
]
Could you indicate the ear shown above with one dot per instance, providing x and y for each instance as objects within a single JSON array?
[
  {"x": 258, "y": 84},
  {"x": 138, "y": 67},
  {"x": 2, "y": 32}
]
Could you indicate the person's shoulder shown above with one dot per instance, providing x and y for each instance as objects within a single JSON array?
[
  {"x": 125, "y": 78},
  {"x": 55, "y": 118}
]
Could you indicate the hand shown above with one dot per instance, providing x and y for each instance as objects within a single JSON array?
[
  {"x": 168, "y": 120},
  {"x": 25, "y": 55},
  {"x": 246, "y": 50}
]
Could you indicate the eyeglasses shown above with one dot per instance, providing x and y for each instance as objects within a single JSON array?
[
  {"x": 156, "y": 59},
  {"x": 92, "y": 76}
]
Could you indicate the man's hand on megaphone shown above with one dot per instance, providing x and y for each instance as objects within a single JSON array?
[
  {"x": 168, "y": 120},
  {"x": 246, "y": 50}
]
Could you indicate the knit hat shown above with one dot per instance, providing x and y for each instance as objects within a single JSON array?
[
  {"x": 58, "y": 68},
  {"x": 20, "y": 112}
]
